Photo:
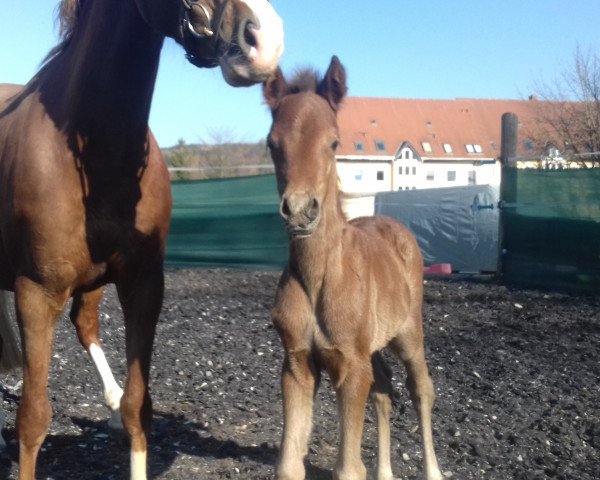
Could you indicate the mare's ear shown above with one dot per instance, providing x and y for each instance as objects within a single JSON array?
[
  {"x": 274, "y": 89},
  {"x": 333, "y": 87}
]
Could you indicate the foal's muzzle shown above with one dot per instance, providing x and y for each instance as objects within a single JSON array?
[{"x": 301, "y": 213}]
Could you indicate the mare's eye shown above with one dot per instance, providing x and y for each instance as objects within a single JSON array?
[{"x": 335, "y": 145}]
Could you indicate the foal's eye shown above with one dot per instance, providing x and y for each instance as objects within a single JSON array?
[{"x": 335, "y": 145}]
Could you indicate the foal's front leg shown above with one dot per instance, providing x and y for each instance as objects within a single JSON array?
[
  {"x": 299, "y": 380},
  {"x": 352, "y": 383},
  {"x": 84, "y": 315}
]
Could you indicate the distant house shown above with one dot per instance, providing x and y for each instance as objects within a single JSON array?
[{"x": 402, "y": 144}]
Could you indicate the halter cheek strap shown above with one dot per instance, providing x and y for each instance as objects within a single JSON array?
[{"x": 189, "y": 33}]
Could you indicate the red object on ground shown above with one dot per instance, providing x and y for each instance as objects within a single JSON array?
[{"x": 439, "y": 269}]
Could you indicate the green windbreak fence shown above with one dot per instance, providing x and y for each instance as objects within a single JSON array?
[
  {"x": 230, "y": 222},
  {"x": 551, "y": 224}
]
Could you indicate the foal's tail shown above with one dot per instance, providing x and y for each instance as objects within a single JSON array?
[{"x": 10, "y": 344}]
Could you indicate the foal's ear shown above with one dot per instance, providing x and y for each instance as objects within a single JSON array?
[
  {"x": 274, "y": 89},
  {"x": 333, "y": 87}
]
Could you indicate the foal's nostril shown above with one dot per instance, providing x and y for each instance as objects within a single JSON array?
[
  {"x": 313, "y": 211},
  {"x": 284, "y": 209}
]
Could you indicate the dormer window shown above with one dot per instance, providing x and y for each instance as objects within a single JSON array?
[
  {"x": 470, "y": 148},
  {"x": 359, "y": 146},
  {"x": 426, "y": 147},
  {"x": 447, "y": 148},
  {"x": 380, "y": 145},
  {"x": 477, "y": 148}
]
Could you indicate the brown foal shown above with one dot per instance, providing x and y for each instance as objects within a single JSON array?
[{"x": 349, "y": 288}]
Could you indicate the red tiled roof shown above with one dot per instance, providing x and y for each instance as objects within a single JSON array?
[{"x": 456, "y": 122}]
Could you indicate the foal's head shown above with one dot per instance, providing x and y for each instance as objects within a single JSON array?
[{"x": 303, "y": 140}]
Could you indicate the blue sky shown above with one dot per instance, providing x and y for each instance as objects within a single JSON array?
[{"x": 391, "y": 48}]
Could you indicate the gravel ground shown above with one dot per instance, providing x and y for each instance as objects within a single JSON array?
[{"x": 516, "y": 375}]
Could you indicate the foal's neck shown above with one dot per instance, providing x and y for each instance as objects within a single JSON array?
[
  {"x": 105, "y": 75},
  {"x": 311, "y": 257}
]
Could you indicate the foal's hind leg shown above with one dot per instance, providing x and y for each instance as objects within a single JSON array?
[
  {"x": 141, "y": 299},
  {"x": 409, "y": 346},
  {"x": 381, "y": 395},
  {"x": 84, "y": 315},
  {"x": 37, "y": 310}
]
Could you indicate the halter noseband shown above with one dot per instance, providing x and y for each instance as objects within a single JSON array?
[{"x": 189, "y": 33}]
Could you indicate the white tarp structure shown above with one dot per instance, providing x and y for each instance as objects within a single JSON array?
[{"x": 457, "y": 225}]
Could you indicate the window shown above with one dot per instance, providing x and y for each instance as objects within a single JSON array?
[
  {"x": 447, "y": 148},
  {"x": 451, "y": 175},
  {"x": 400, "y": 170},
  {"x": 358, "y": 174},
  {"x": 359, "y": 146},
  {"x": 430, "y": 176},
  {"x": 477, "y": 148},
  {"x": 379, "y": 174},
  {"x": 472, "y": 177},
  {"x": 470, "y": 148},
  {"x": 380, "y": 145},
  {"x": 414, "y": 170},
  {"x": 406, "y": 170},
  {"x": 407, "y": 154},
  {"x": 426, "y": 147}
]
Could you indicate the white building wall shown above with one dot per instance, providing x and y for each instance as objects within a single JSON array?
[
  {"x": 408, "y": 174},
  {"x": 364, "y": 177}
]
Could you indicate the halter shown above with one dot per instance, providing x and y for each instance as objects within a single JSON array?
[{"x": 189, "y": 33}]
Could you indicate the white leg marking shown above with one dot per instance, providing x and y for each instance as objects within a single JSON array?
[
  {"x": 112, "y": 391},
  {"x": 138, "y": 465}
]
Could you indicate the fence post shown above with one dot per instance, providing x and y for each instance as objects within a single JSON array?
[{"x": 508, "y": 181}]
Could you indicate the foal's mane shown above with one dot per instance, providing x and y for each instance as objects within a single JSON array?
[{"x": 304, "y": 80}]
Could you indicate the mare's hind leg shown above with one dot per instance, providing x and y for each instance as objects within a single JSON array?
[
  {"x": 141, "y": 299},
  {"x": 37, "y": 310},
  {"x": 299, "y": 380},
  {"x": 381, "y": 395},
  {"x": 409, "y": 346},
  {"x": 84, "y": 315}
]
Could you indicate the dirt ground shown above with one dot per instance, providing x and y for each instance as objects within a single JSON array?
[{"x": 516, "y": 375}]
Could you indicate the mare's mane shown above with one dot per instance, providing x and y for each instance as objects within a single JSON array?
[{"x": 67, "y": 15}]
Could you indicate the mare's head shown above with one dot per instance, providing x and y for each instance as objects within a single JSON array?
[
  {"x": 243, "y": 37},
  {"x": 303, "y": 140}
]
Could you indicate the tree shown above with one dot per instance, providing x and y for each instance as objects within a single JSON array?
[
  {"x": 180, "y": 157},
  {"x": 568, "y": 117}
]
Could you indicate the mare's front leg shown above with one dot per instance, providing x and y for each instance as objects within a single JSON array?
[
  {"x": 37, "y": 311},
  {"x": 352, "y": 377},
  {"x": 141, "y": 294},
  {"x": 84, "y": 315},
  {"x": 381, "y": 394}
]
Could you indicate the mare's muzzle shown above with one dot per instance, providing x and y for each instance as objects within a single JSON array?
[{"x": 301, "y": 213}]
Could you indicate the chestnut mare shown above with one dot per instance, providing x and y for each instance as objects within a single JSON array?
[
  {"x": 85, "y": 194},
  {"x": 349, "y": 288}
]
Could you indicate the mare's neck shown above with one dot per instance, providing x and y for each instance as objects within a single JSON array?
[
  {"x": 314, "y": 257},
  {"x": 101, "y": 83}
]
